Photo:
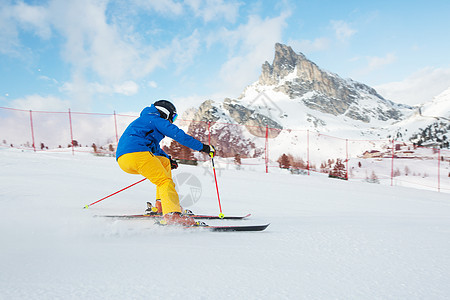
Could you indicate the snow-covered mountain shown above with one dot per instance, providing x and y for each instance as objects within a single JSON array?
[
  {"x": 439, "y": 107},
  {"x": 294, "y": 93},
  {"x": 430, "y": 124},
  {"x": 304, "y": 82}
]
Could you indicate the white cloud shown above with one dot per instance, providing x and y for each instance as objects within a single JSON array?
[
  {"x": 127, "y": 88},
  {"x": 194, "y": 101},
  {"x": 103, "y": 53},
  {"x": 152, "y": 84},
  {"x": 184, "y": 50},
  {"x": 342, "y": 30},
  {"x": 37, "y": 102},
  {"x": 48, "y": 79},
  {"x": 98, "y": 49},
  {"x": 249, "y": 45},
  {"x": 419, "y": 87},
  {"x": 372, "y": 63},
  {"x": 161, "y": 6},
  {"x": 94, "y": 45},
  {"x": 186, "y": 102},
  {"x": 211, "y": 10},
  {"x": 308, "y": 46},
  {"x": 375, "y": 63},
  {"x": 33, "y": 18},
  {"x": 9, "y": 38},
  {"x": 21, "y": 17}
]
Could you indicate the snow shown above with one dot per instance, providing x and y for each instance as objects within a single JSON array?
[
  {"x": 439, "y": 106},
  {"x": 328, "y": 239},
  {"x": 437, "y": 110}
]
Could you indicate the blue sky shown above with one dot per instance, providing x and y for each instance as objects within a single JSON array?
[{"x": 121, "y": 55}]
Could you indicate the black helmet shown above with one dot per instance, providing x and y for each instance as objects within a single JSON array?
[{"x": 166, "y": 110}]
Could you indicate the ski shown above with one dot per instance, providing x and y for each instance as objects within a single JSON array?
[
  {"x": 157, "y": 216},
  {"x": 234, "y": 228},
  {"x": 215, "y": 228}
]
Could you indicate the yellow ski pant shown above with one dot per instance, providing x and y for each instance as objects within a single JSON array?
[{"x": 157, "y": 170}]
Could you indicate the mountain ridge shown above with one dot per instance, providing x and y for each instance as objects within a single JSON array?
[{"x": 294, "y": 93}]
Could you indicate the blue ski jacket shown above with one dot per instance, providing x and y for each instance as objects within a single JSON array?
[{"x": 146, "y": 132}]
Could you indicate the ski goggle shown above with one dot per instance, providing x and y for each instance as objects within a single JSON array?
[{"x": 167, "y": 113}]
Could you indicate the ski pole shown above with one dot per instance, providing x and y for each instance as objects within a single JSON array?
[
  {"x": 221, "y": 215},
  {"x": 88, "y": 205}
]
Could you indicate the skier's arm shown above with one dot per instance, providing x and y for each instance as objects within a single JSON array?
[{"x": 172, "y": 131}]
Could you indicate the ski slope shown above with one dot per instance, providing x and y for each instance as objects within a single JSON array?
[{"x": 328, "y": 239}]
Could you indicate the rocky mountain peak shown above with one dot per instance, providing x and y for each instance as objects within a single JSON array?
[
  {"x": 284, "y": 63},
  {"x": 299, "y": 78}
]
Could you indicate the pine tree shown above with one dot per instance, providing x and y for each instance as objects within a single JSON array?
[
  {"x": 373, "y": 178},
  {"x": 237, "y": 159},
  {"x": 283, "y": 161},
  {"x": 407, "y": 170},
  {"x": 339, "y": 170},
  {"x": 299, "y": 163}
]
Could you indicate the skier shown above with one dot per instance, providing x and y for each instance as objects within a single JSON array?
[{"x": 138, "y": 152}]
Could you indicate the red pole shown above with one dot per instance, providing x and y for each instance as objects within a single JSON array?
[
  {"x": 221, "y": 215},
  {"x": 267, "y": 149},
  {"x": 346, "y": 157},
  {"x": 71, "y": 132},
  {"x": 307, "y": 150},
  {"x": 439, "y": 170},
  {"x": 88, "y": 205},
  {"x": 32, "y": 130},
  {"x": 392, "y": 164},
  {"x": 209, "y": 133},
  {"x": 115, "y": 125}
]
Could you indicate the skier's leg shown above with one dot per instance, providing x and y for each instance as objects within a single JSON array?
[
  {"x": 166, "y": 192},
  {"x": 127, "y": 164},
  {"x": 148, "y": 165},
  {"x": 166, "y": 164}
]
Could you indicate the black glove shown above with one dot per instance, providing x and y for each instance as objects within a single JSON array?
[
  {"x": 173, "y": 163},
  {"x": 209, "y": 149}
]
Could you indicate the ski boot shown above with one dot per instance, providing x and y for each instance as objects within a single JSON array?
[
  {"x": 154, "y": 210},
  {"x": 176, "y": 218},
  {"x": 187, "y": 212}
]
